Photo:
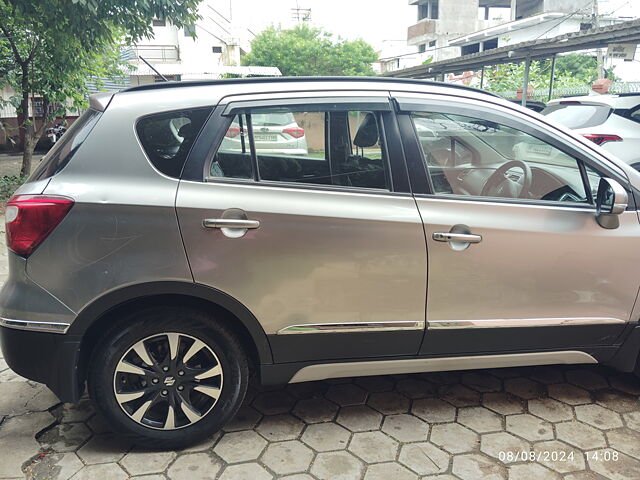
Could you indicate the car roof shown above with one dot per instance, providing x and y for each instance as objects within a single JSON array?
[
  {"x": 623, "y": 100},
  {"x": 281, "y": 80}
]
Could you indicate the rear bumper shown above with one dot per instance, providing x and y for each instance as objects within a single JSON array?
[
  {"x": 32, "y": 333},
  {"x": 48, "y": 358}
]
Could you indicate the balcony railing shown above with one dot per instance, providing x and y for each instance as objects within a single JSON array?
[{"x": 158, "y": 53}]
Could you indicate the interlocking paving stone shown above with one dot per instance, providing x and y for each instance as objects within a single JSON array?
[
  {"x": 626, "y": 441},
  {"x": 142, "y": 462},
  {"x": 104, "y": 449},
  {"x": 17, "y": 442},
  {"x": 242, "y": 446},
  {"x": 531, "y": 471},
  {"x": 273, "y": 402},
  {"x": 315, "y": 410},
  {"x": 503, "y": 403},
  {"x": 337, "y": 466},
  {"x": 389, "y": 403},
  {"x": 111, "y": 471},
  {"x": 454, "y": 438},
  {"x": 529, "y": 427},
  {"x": 58, "y": 466},
  {"x": 479, "y": 419},
  {"x": 482, "y": 382},
  {"x": 287, "y": 457},
  {"x": 195, "y": 466},
  {"x": 434, "y": 410},
  {"x": 632, "y": 420},
  {"x": 580, "y": 435},
  {"x": 495, "y": 444},
  {"x": 559, "y": 456},
  {"x": 386, "y": 471},
  {"x": 359, "y": 418},
  {"x": 373, "y": 447},
  {"x": 375, "y": 383},
  {"x": 246, "y": 418},
  {"x": 550, "y": 409},
  {"x": 18, "y": 398},
  {"x": 547, "y": 374},
  {"x": 276, "y": 428},
  {"x": 405, "y": 428},
  {"x": 415, "y": 388},
  {"x": 245, "y": 471},
  {"x": 524, "y": 388},
  {"x": 424, "y": 458},
  {"x": 325, "y": 437},
  {"x": 65, "y": 437},
  {"x": 569, "y": 394},
  {"x": 617, "y": 401},
  {"x": 626, "y": 383},
  {"x": 621, "y": 467},
  {"x": 346, "y": 394},
  {"x": 474, "y": 466},
  {"x": 598, "y": 416},
  {"x": 460, "y": 395},
  {"x": 587, "y": 378}
]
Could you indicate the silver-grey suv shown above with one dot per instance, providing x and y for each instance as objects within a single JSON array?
[{"x": 421, "y": 227}]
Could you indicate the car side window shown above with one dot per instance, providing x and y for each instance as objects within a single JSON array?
[
  {"x": 480, "y": 158},
  {"x": 167, "y": 137},
  {"x": 332, "y": 147}
]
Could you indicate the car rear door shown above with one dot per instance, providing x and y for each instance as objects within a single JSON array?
[
  {"x": 514, "y": 274},
  {"x": 324, "y": 245}
]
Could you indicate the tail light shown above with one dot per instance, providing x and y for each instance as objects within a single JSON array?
[
  {"x": 602, "y": 139},
  {"x": 295, "y": 132},
  {"x": 232, "y": 132},
  {"x": 31, "y": 218}
]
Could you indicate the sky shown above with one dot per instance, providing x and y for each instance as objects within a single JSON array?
[{"x": 372, "y": 20}]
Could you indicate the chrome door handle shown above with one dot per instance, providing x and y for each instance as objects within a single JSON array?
[
  {"x": 230, "y": 223},
  {"x": 457, "y": 237}
]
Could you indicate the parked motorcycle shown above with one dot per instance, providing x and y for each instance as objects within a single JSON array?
[{"x": 54, "y": 133}]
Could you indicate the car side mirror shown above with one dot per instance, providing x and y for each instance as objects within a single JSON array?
[{"x": 611, "y": 201}]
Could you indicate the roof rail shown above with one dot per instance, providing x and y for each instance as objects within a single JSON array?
[{"x": 231, "y": 81}]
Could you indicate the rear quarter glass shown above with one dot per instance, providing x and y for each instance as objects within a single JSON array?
[{"x": 63, "y": 151}]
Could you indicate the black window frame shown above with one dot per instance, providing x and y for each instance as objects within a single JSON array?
[
  {"x": 212, "y": 134},
  {"x": 422, "y": 184}
]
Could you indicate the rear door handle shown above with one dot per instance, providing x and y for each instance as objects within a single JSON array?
[
  {"x": 457, "y": 237},
  {"x": 230, "y": 223}
]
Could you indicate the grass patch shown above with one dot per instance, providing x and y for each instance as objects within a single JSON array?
[{"x": 8, "y": 185}]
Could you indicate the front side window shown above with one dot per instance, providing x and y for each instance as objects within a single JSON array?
[
  {"x": 167, "y": 137},
  {"x": 481, "y": 158},
  {"x": 339, "y": 148}
]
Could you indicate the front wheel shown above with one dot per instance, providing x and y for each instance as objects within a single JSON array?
[{"x": 169, "y": 377}]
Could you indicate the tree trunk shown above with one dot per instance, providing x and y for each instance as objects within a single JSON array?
[
  {"x": 27, "y": 155},
  {"x": 23, "y": 124}
]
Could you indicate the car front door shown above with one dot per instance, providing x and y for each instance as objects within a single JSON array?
[
  {"x": 320, "y": 237},
  {"x": 517, "y": 260}
]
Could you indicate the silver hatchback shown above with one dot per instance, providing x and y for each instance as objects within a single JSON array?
[{"x": 168, "y": 245}]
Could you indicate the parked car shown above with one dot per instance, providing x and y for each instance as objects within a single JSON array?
[
  {"x": 611, "y": 121},
  {"x": 535, "y": 105},
  {"x": 162, "y": 268},
  {"x": 276, "y": 132}
]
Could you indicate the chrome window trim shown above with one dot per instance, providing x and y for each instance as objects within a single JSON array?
[
  {"x": 521, "y": 323},
  {"x": 355, "y": 327},
  {"x": 50, "y": 327}
]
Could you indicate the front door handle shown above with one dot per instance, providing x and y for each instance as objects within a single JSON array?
[
  {"x": 457, "y": 237},
  {"x": 230, "y": 223}
]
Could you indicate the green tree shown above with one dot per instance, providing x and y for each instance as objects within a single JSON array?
[
  {"x": 50, "y": 48},
  {"x": 309, "y": 51},
  {"x": 573, "y": 70}
]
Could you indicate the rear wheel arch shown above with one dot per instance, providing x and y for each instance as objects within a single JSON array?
[{"x": 98, "y": 317}]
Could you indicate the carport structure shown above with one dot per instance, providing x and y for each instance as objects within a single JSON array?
[{"x": 538, "y": 49}]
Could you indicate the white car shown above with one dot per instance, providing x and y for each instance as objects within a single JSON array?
[
  {"x": 273, "y": 133},
  {"x": 611, "y": 121}
]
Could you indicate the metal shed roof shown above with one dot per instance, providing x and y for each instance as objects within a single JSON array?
[{"x": 626, "y": 32}]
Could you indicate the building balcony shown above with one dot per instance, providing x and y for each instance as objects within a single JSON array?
[
  {"x": 158, "y": 53},
  {"x": 422, "y": 31}
]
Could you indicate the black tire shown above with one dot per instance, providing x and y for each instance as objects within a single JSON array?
[{"x": 149, "y": 323}]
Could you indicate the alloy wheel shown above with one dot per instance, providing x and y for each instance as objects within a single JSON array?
[{"x": 168, "y": 381}]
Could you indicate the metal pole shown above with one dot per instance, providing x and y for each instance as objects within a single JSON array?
[
  {"x": 525, "y": 87},
  {"x": 482, "y": 77},
  {"x": 553, "y": 74},
  {"x": 599, "y": 55}
]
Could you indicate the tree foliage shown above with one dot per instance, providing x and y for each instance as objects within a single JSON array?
[
  {"x": 574, "y": 70},
  {"x": 51, "y": 48},
  {"x": 308, "y": 51}
]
